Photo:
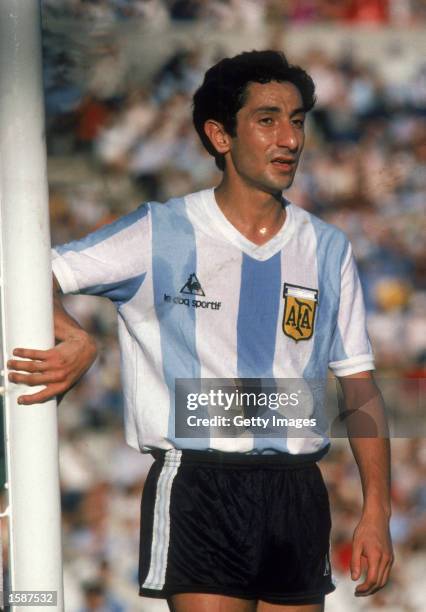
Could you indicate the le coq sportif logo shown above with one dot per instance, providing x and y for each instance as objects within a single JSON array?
[{"x": 192, "y": 287}]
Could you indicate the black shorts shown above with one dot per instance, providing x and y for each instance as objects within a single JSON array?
[{"x": 243, "y": 526}]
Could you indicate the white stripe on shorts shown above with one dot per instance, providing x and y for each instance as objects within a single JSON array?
[{"x": 161, "y": 528}]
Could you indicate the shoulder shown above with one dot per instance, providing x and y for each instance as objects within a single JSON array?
[
  {"x": 180, "y": 212},
  {"x": 176, "y": 206},
  {"x": 327, "y": 235}
]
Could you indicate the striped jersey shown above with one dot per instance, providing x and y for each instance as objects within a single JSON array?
[{"x": 197, "y": 300}]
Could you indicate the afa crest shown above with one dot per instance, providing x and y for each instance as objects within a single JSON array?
[{"x": 299, "y": 311}]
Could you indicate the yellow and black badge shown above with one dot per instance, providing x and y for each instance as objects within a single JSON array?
[{"x": 299, "y": 311}]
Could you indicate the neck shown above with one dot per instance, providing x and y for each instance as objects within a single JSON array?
[{"x": 255, "y": 214}]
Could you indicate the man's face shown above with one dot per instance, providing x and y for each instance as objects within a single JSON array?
[{"x": 269, "y": 136}]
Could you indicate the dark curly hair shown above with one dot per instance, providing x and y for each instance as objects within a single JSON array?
[{"x": 224, "y": 90}]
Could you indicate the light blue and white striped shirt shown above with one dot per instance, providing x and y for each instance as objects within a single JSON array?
[{"x": 196, "y": 299}]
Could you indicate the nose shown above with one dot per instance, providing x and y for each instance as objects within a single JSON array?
[{"x": 287, "y": 137}]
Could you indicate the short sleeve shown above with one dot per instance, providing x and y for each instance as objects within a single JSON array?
[
  {"x": 110, "y": 262},
  {"x": 350, "y": 349}
]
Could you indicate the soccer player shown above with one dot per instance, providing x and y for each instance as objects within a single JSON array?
[{"x": 233, "y": 283}]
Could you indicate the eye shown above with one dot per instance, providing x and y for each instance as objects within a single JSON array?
[
  {"x": 299, "y": 123},
  {"x": 266, "y": 121}
]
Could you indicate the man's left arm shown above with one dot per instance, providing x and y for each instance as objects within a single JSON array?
[{"x": 369, "y": 441}]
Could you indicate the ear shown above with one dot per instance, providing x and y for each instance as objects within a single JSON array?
[{"x": 217, "y": 136}]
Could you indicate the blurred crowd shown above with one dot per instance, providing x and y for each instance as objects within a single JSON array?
[
  {"x": 242, "y": 13},
  {"x": 113, "y": 143}
]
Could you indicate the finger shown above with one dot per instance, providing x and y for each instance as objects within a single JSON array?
[
  {"x": 380, "y": 583},
  {"x": 382, "y": 568},
  {"x": 356, "y": 561},
  {"x": 31, "y": 353},
  {"x": 370, "y": 582},
  {"x": 33, "y": 380},
  {"x": 41, "y": 396},
  {"x": 27, "y": 366},
  {"x": 386, "y": 572}
]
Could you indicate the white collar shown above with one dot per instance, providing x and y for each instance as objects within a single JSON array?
[{"x": 208, "y": 211}]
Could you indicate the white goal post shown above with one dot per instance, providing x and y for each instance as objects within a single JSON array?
[{"x": 31, "y": 438}]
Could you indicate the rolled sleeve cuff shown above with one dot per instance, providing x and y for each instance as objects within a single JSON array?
[
  {"x": 64, "y": 274},
  {"x": 352, "y": 365}
]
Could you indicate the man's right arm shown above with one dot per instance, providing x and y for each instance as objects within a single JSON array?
[{"x": 58, "y": 368}]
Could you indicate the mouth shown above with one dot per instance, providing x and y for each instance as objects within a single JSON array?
[{"x": 284, "y": 163}]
